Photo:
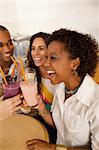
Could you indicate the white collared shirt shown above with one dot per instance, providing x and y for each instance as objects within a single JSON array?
[{"x": 78, "y": 117}]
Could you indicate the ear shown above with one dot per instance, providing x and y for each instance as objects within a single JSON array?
[{"x": 75, "y": 63}]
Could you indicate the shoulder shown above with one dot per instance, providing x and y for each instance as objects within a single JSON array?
[
  {"x": 94, "y": 104},
  {"x": 95, "y": 100},
  {"x": 87, "y": 91}
]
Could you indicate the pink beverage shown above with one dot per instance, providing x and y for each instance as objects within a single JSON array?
[
  {"x": 29, "y": 90},
  {"x": 10, "y": 90}
]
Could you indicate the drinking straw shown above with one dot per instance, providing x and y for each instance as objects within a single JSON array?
[
  {"x": 15, "y": 62},
  {"x": 22, "y": 67},
  {"x": 3, "y": 76},
  {"x": 13, "y": 72}
]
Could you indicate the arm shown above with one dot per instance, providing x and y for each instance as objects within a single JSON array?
[
  {"x": 42, "y": 145},
  {"x": 9, "y": 106},
  {"x": 44, "y": 112},
  {"x": 47, "y": 116}
]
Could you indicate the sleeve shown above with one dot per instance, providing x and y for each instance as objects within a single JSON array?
[{"x": 94, "y": 124}]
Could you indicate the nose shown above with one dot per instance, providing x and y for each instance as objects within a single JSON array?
[{"x": 36, "y": 52}]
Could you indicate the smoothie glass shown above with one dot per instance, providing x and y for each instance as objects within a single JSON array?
[
  {"x": 12, "y": 88},
  {"x": 29, "y": 91},
  {"x": 29, "y": 88}
]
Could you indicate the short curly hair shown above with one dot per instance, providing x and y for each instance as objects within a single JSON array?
[{"x": 81, "y": 46}]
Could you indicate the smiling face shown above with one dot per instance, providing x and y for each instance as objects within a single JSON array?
[
  {"x": 58, "y": 63},
  {"x": 6, "y": 46},
  {"x": 38, "y": 50}
]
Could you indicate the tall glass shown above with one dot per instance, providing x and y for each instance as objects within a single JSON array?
[
  {"x": 30, "y": 74},
  {"x": 29, "y": 88}
]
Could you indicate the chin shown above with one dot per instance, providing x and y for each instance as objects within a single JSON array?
[
  {"x": 7, "y": 59},
  {"x": 56, "y": 81},
  {"x": 38, "y": 64}
]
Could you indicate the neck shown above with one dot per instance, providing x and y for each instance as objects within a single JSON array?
[
  {"x": 73, "y": 83},
  {"x": 5, "y": 65}
]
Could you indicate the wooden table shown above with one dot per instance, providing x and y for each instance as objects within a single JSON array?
[{"x": 16, "y": 130}]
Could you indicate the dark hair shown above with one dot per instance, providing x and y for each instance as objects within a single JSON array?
[
  {"x": 81, "y": 46},
  {"x": 45, "y": 36},
  {"x": 2, "y": 28}
]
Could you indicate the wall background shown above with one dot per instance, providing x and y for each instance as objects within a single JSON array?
[{"x": 33, "y": 16}]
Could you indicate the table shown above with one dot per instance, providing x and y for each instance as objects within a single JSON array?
[{"x": 16, "y": 130}]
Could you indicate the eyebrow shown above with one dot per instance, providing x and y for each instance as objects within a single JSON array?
[
  {"x": 53, "y": 53},
  {"x": 40, "y": 46},
  {"x": 10, "y": 40},
  {"x": 7, "y": 42}
]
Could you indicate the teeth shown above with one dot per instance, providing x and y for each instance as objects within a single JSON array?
[
  {"x": 7, "y": 54},
  {"x": 50, "y": 71},
  {"x": 37, "y": 58}
]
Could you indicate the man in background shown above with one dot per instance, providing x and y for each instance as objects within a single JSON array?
[
  {"x": 6, "y": 49},
  {"x": 11, "y": 105}
]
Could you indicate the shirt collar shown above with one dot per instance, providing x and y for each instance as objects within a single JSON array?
[
  {"x": 86, "y": 90},
  {"x": 60, "y": 91}
]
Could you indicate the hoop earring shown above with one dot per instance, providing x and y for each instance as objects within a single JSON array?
[{"x": 74, "y": 73}]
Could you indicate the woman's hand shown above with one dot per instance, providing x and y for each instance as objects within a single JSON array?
[
  {"x": 41, "y": 105},
  {"x": 44, "y": 112},
  {"x": 39, "y": 145},
  {"x": 9, "y": 106}
]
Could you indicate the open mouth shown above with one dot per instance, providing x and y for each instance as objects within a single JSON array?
[
  {"x": 37, "y": 59},
  {"x": 7, "y": 54},
  {"x": 50, "y": 73}
]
